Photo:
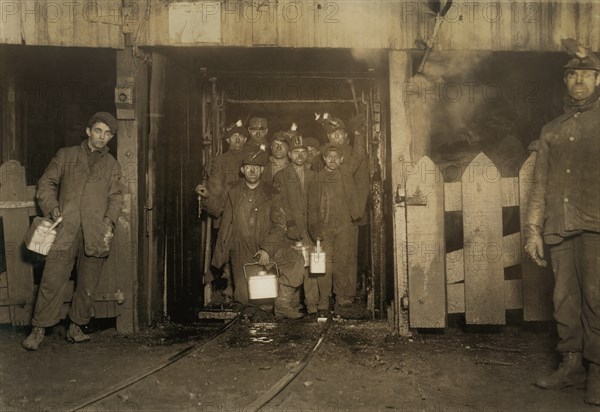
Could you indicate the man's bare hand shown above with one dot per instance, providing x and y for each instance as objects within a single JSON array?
[
  {"x": 55, "y": 214},
  {"x": 263, "y": 257},
  {"x": 202, "y": 190}
]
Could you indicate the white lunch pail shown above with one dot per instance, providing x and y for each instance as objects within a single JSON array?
[
  {"x": 41, "y": 235},
  {"x": 317, "y": 260},
  {"x": 262, "y": 284}
]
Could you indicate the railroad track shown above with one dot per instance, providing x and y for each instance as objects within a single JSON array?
[{"x": 255, "y": 405}]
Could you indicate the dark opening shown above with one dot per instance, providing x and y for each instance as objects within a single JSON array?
[{"x": 283, "y": 85}]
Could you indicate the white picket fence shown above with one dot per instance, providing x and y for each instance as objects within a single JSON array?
[{"x": 470, "y": 280}]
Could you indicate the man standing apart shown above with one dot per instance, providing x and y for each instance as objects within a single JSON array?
[
  {"x": 81, "y": 184},
  {"x": 564, "y": 212}
]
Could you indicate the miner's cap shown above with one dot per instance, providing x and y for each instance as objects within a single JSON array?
[
  {"x": 333, "y": 125},
  {"x": 106, "y": 118},
  {"x": 329, "y": 147},
  {"x": 257, "y": 123},
  {"x": 312, "y": 142},
  {"x": 296, "y": 142},
  {"x": 258, "y": 158},
  {"x": 237, "y": 129},
  {"x": 590, "y": 62}
]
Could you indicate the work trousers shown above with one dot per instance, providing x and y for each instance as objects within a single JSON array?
[
  {"x": 289, "y": 262},
  {"x": 340, "y": 245},
  {"x": 55, "y": 280},
  {"x": 576, "y": 267},
  {"x": 317, "y": 289}
]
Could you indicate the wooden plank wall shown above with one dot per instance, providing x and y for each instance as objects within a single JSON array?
[
  {"x": 474, "y": 276},
  {"x": 388, "y": 24},
  {"x": 396, "y": 24},
  {"x": 19, "y": 292},
  {"x": 89, "y": 23}
]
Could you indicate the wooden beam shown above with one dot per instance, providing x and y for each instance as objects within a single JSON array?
[
  {"x": 400, "y": 143},
  {"x": 128, "y": 234}
]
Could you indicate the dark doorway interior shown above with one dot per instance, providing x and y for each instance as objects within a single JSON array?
[
  {"x": 220, "y": 86},
  {"x": 51, "y": 92}
]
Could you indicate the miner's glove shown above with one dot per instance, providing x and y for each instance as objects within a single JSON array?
[{"x": 534, "y": 244}]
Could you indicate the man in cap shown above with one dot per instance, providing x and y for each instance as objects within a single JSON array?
[
  {"x": 354, "y": 165},
  {"x": 312, "y": 147},
  {"x": 279, "y": 155},
  {"x": 224, "y": 173},
  {"x": 253, "y": 228},
  {"x": 333, "y": 210},
  {"x": 258, "y": 129},
  {"x": 293, "y": 182},
  {"x": 80, "y": 186},
  {"x": 564, "y": 212},
  {"x": 225, "y": 170}
]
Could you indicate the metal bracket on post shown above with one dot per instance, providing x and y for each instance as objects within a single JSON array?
[{"x": 416, "y": 199}]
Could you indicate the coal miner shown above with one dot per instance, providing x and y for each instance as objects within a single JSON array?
[
  {"x": 564, "y": 212},
  {"x": 253, "y": 229},
  {"x": 258, "y": 129},
  {"x": 333, "y": 210},
  {"x": 354, "y": 166},
  {"x": 279, "y": 156},
  {"x": 293, "y": 182},
  {"x": 225, "y": 173},
  {"x": 81, "y": 185}
]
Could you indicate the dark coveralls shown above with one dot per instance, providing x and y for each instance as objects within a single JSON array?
[
  {"x": 294, "y": 200},
  {"x": 253, "y": 220},
  {"x": 332, "y": 211},
  {"x": 565, "y": 201},
  {"x": 85, "y": 186},
  {"x": 355, "y": 165}
]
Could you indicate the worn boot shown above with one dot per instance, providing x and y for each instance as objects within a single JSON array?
[
  {"x": 76, "y": 335},
  {"x": 592, "y": 391},
  {"x": 283, "y": 303},
  {"x": 570, "y": 372},
  {"x": 32, "y": 342}
]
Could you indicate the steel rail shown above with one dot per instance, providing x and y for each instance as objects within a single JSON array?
[{"x": 151, "y": 370}]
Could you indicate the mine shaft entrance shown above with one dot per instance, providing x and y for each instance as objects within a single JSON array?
[{"x": 284, "y": 86}]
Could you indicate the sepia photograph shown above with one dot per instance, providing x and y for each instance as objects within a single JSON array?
[{"x": 299, "y": 205}]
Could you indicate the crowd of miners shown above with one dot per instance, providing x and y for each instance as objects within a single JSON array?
[{"x": 273, "y": 195}]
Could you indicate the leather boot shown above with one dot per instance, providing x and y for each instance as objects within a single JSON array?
[
  {"x": 32, "y": 342},
  {"x": 570, "y": 372},
  {"x": 283, "y": 303},
  {"x": 592, "y": 391},
  {"x": 76, "y": 335}
]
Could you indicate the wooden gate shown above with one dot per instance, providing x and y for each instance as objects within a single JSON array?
[
  {"x": 470, "y": 280},
  {"x": 17, "y": 288}
]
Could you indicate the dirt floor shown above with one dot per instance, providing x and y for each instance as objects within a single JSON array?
[{"x": 359, "y": 366}]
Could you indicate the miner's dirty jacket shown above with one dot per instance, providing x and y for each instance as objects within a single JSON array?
[
  {"x": 332, "y": 202},
  {"x": 355, "y": 163},
  {"x": 564, "y": 196},
  {"x": 294, "y": 200},
  {"x": 269, "y": 220},
  {"x": 225, "y": 171},
  {"x": 85, "y": 194}
]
